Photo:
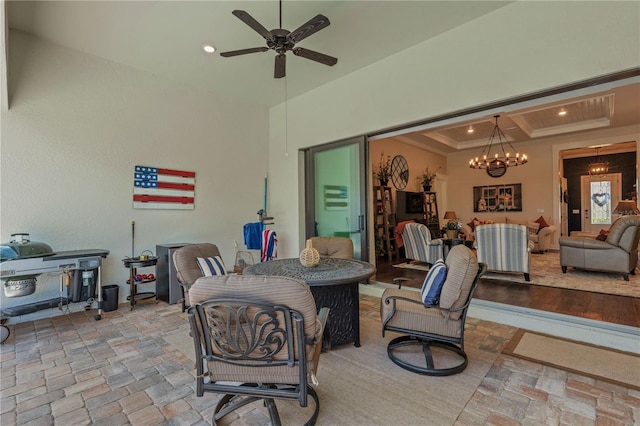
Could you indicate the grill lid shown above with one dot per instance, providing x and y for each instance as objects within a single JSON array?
[{"x": 21, "y": 247}]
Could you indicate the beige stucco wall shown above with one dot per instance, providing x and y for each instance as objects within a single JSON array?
[
  {"x": 521, "y": 48},
  {"x": 76, "y": 128}
]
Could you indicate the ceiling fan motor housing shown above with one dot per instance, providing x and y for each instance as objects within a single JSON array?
[{"x": 280, "y": 42}]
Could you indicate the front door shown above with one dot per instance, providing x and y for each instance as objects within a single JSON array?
[
  {"x": 599, "y": 195},
  {"x": 335, "y": 197}
]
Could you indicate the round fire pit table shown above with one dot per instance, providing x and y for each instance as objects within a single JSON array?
[{"x": 334, "y": 285}]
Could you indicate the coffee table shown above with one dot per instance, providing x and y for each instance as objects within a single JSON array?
[{"x": 334, "y": 284}]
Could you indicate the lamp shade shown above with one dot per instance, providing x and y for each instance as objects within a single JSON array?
[
  {"x": 626, "y": 207},
  {"x": 450, "y": 215}
]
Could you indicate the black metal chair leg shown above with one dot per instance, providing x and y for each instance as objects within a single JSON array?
[
  {"x": 428, "y": 357},
  {"x": 430, "y": 369},
  {"x": 273, "y": 412}
]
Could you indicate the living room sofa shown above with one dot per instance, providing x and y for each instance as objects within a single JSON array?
[
  {"x": 541, "y": 236},
  {"x": 617, "y": 252}
]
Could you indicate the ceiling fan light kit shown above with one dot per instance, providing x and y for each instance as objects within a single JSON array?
[
  {"x": 496, "y": 163},
  {"x": 282, "y": 41}
]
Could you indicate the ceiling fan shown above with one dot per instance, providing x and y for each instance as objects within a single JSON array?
[{"x": 282, "y": 41}]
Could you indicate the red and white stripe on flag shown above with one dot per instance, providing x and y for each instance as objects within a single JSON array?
[{"x": 158, "y": 188}]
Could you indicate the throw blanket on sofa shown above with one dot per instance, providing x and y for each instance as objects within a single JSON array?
[{"x": 398, "y": 234}]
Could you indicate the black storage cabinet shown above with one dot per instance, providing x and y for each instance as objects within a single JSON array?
[{"x": 167, "y": 286}]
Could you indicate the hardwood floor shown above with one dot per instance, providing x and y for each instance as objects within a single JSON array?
[{"x": 597, "y": 306}]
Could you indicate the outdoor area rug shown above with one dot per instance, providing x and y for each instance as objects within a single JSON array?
[
  {"x": 361, "y": 386},
  {"x": 593, "y": 361},
  {"x": 545, "y": 270}
]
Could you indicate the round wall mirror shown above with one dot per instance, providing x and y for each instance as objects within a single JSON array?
[{"x": 399, "y": 172}]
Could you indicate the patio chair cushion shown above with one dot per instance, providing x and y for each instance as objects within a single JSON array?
[{"x": 462, "y": 266}]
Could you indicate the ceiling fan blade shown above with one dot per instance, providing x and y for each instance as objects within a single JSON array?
[
  {"x": 281, "y": 66},
  {"x": 315, "y": 56},
  {"x": 250, "y": 21},
  {"x": 243, "y": 51},
  {"x": 314, "y": 25}
]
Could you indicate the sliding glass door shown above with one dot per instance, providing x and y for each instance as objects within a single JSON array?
[{"x": 335, "y": 192}]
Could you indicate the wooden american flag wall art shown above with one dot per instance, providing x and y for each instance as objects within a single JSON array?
[{"x": 158, "y": 188}]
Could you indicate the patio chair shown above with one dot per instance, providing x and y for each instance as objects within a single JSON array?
[
  {"x": 188, "y": 270},
  {"x": 433, "y": 320},
  {"x": 340, "y": 247},
  {"x": 256, "y": 338}
]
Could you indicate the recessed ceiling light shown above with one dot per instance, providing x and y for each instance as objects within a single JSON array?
[
  {"x": 562, "y": 112},
  {"x": 208, "y": 48},
  {"x": 470, "y": 129}
]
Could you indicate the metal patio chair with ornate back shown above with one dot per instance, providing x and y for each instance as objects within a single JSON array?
[{"x": 256, "y": 338}]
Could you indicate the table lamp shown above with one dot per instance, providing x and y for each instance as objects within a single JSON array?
[
  {"x": 451, "y": 228},
  {"x": 624, "y": 208},
  {"x": 450, "y": 216}
]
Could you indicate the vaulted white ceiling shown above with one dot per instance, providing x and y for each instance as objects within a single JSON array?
[{"x": 166, "y": 37}]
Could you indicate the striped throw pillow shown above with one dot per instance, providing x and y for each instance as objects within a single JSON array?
[
  {"x": 211, "y": 266},
  {"x": 432, "y": 286}
]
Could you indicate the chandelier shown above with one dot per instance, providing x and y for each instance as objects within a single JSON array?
[
  {"x": 598, "y": 167},
  {"x": 496, "y": 163}
]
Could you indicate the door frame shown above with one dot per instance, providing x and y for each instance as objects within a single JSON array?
[{"x": 310, "y": 195}]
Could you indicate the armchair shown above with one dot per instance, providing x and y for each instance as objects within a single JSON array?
[
  {"x": 438, "y": 325},
  {"x": 418, "y": 244},
  {"x": 340, "y": 247},
  {"x": 275, "y": 354},
  {"x": 504, "y": 247},
  {"x": 187, "y": 268},
  {"x": 617, "y": 253}
]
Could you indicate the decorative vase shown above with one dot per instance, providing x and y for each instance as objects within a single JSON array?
[
  {"x": 384, "y": 182},
  {"x": 452, "y": 233},
  {"x": 426, "y": 188},
  {"x": 309, "y": 256}
]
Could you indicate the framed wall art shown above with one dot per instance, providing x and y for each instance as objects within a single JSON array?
[{"x": 497, "y": 198}]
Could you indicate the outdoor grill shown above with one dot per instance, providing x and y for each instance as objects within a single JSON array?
[
  {"x": 20, "y": 247},
  {"x": 23, "y": 260}
]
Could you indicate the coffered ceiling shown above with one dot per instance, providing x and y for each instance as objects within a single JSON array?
[{"x": 617, "y": 107}]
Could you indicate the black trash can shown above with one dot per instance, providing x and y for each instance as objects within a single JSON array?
[{"x": 110, "y": 297}]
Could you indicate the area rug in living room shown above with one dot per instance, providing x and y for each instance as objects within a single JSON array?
[{"x": 546, "y": 271}]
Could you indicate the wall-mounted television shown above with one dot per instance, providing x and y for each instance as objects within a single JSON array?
[{"x": 409, "y": 206}]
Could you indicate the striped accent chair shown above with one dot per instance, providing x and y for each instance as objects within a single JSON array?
[
  {"x": 504, "y": 247},
  {"x": 418, "y": 244}
]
